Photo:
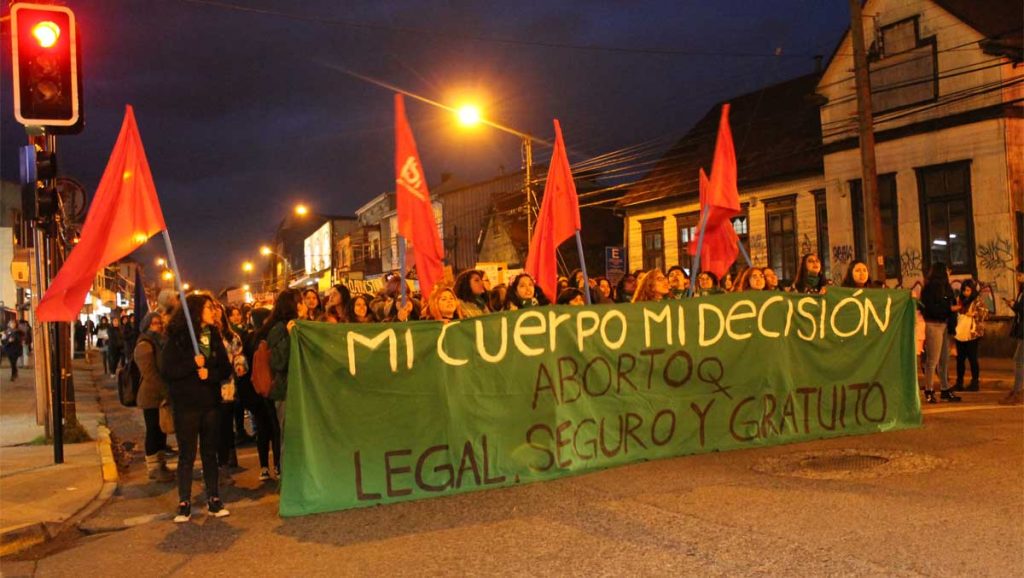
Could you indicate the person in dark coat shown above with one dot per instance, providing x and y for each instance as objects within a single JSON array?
[
  {"x": 938, "y": 306},
  {"x": 13, "y": 342},
  {"x": 1016, "y": 395},
  {"x": 152, "y": 392},
  {"x": 193, "y": 382}
]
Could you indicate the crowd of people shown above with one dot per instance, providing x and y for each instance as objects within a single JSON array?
[{"x": 207, "y": 395}]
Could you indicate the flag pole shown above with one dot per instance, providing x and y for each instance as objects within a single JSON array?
[
  {"x": 744, "y": 252},
  {"x": 181, "y": 291},
  {"x": 700, "y": 247},
  {"x": 583, "y": 267},
  {"x": 401, "y": 266}
]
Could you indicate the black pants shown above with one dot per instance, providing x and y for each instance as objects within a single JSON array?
[
  {"x": 194, "y": 425},
  {"x": 967, "y": 351},
  {"x": 114, "y": 359},
  {"x": 268, "y": 432},
  {"x": 227, "y": 436},
  {"x": 13, "y": 357},
  {"x": 156, "y": 439}
]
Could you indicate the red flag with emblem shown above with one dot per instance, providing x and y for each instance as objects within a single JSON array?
[
  {"x": 416, "y": 221},
  {"x": 559, "y": 219},
  {"x": 124, "y": 214}
]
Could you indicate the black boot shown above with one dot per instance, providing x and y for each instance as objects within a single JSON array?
[
  {"x": 948, "y": 395},
  {"x": 959, "y": 386},
  {"x": 929, "y": 396},
  {"x": 974, "y": 385}
]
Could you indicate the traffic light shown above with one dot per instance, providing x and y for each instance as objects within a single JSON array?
[
  {"x": 47, "y": 83},
  {"x": 37, "y": 167}
]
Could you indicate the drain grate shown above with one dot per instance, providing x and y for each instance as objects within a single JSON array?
[{"x": 846, "y": 464}]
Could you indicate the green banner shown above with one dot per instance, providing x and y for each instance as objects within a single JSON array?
[{"x": 389, "y": 412}]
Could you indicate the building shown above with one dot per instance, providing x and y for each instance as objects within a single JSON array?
[
  {"x": 781, "y": 184},
  {"x": 947, "y": 89}
]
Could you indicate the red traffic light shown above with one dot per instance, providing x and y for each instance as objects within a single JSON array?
[{"x": 47, "y": 88}]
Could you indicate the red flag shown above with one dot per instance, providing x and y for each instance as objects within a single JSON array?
[
  {"x": 559, "y": 219},
  {"x": 720, "y": 201},
  {"x": 416, "y": 221},
  {"x": 124, "y": 214}
]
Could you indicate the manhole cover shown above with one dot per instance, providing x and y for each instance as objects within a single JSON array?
[
  {"x": 842, "y": 463},
  {"x": 847, "y": 464}
]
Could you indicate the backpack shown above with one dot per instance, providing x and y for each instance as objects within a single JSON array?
[
  {"x": 262, "y": 377},
  {"x": 128, "y": 381}
]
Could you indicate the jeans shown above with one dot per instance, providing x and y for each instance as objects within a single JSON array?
[
  {"x": 194, "y": 424},
  {"x": 1018, "y": 367},
  {"x": 967, "y": 351},
  {"x": 13, "y": 357},
  {"x": 936, "y": 355},
  {"x": 268, "y": 432},
  {"x": 156, "y": 439}
]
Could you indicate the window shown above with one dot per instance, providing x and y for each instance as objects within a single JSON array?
[
  {"x": 741, "y": 224},
  {"x": 947, "y": 233},
  {"x": 781, "y": 227},
  {"x": 903, "y": 55},
  {"x": 888, "y": 207},
  {"x": 899, "y": 37},
  {"x": 821, "y": 224},
  {"x": 653, "y": 234},
  {"x": 687, "y": 225}
]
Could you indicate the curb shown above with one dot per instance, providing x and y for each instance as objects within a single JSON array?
[{"x": 21, "y": 538}]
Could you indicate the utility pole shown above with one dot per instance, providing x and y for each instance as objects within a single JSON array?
[
  {"x": 869, "y": 172},
  {"x": 528, "y": 185}
]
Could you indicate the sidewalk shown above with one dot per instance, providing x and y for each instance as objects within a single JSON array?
[{"x": 39, "y": 499}]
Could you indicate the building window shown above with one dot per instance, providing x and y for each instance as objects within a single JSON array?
[
  {"x": 821, "y": 224},
  {"x": 888, "y": 207},
  {"x": 687, "y": 225},
  {"x": 741, "y": 224},
  {"x": 903, "y": 55},
  {"x": 781, "y": 227},
  {"x": 947, "y": 233},
  {"x": 653, "y": 234}
]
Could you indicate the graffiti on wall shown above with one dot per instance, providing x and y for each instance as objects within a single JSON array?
[
  {"x": 910, "y": 264},
  {"x": 758, "y": 250},
  {"x": 996, "y": 254},
  {"x": 842, "y": 255}
]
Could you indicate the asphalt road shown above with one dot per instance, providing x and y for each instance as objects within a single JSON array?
[{"x": 949, "y": 501}]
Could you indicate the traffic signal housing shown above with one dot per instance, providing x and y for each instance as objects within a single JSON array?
[{"x": 47, "y": 80}]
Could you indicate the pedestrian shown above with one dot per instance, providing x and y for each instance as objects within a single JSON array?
[
  {"x": 604, "y": 291},
  {"x": 79, "y": 334},
  {"x": 751, "y": 279},
  {"x": 678, "y": 282},
  {"x": 387, "y": 306},
  {"x": 523, "y": 293},
  {"x": 496, "y": 297},
  {"x": 193, "y": 383},
  {"x": 969, "y": 329},
  {"x": 268, "y": 429},
  {"x": 562, "y": 284},
  {"x": 240, "y": 326},
  {"x": 571, "y": 296},
  {"x": 443, "y": 306},
  {"x": 131, "y": 334},
  {"x": 90, "y": 332},
  {"x": 227, "y": 454},
  {"x": 707, "y": 284},
  {"x": 809, "y": 279},
  {"x": 1016, "y": 395},
  {"x": 625, "y": 288},
  {"x": 288, "y": 309},
  {"x": 337, "y": 300},
  {"x": 938, "y": 306},
  {"x": 13, "y": 344},
  {"x": 771, "y": 280},
  {"x": 102, "y": 341},
  {"x": 152, "y": 392},
  {"x": 359, "y": 311},
  {"x": 115, "y": 345},
  {"x": 470, "y": 289},
  {"x": 857, "y": 276},
  {"x": 313, "y": 308},
  {"x": 651, "y": 286}
]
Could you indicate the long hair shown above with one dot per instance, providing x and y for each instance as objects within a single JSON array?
[
  {"x": 463, "y": 285},
  {"x": 966, "y": 301},
  {"x": 743, "y": 282},
  {"x": 800, "y": 283},
  {"x": 286, "y": 308},
  {"x": 848, "y": 278},
  {"x": 177, "y": 327},
  {"x": 350, "y": 309},
  {"x": 512, "y": 297},
  {"x": 645, "y": 287},
  {"x": 568, "y": 295},
  {"x": 432, "y": 310}
]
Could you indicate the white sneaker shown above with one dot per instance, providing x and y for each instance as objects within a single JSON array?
[
  {"x": 184, "y": 513},
  {"x": 217, "y": 509}
]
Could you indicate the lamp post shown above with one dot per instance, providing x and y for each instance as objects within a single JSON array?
[{"x": 266, "y": 252}]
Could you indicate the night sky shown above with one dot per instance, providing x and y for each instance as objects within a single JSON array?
[{"x": 243, "y": 112}]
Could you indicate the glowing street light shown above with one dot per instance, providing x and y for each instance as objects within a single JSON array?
[
  {"x": 160, "y": 262},
  {"x": 186, "y": 286},
  {"x": 301, "y": 210},
  {"x": 469, "y": 115},
  {"x": 247, "y": 266},
  {"x": 265, "y": 251},
  {"x": 167, "y": 275}
]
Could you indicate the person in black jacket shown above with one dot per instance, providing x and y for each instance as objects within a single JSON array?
[
  {"x": 938, "y": 305},
  {"x": 1016, "y": 395},
  {"x": 194, "y": 382}
]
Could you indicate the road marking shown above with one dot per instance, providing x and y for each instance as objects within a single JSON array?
[{"x": 968, "y": 408}]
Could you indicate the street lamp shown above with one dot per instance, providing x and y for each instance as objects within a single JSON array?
[
  {"x": 301, "y": 210},
  {"x": 186, "y": 286},
  {"x": 267, "y": 252},
  {"x": 167, "y": 275},
  {"x": 161, "y": 262},
  {"x": 247, "y": 266},
  {"x": 469, "y": 115}
]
